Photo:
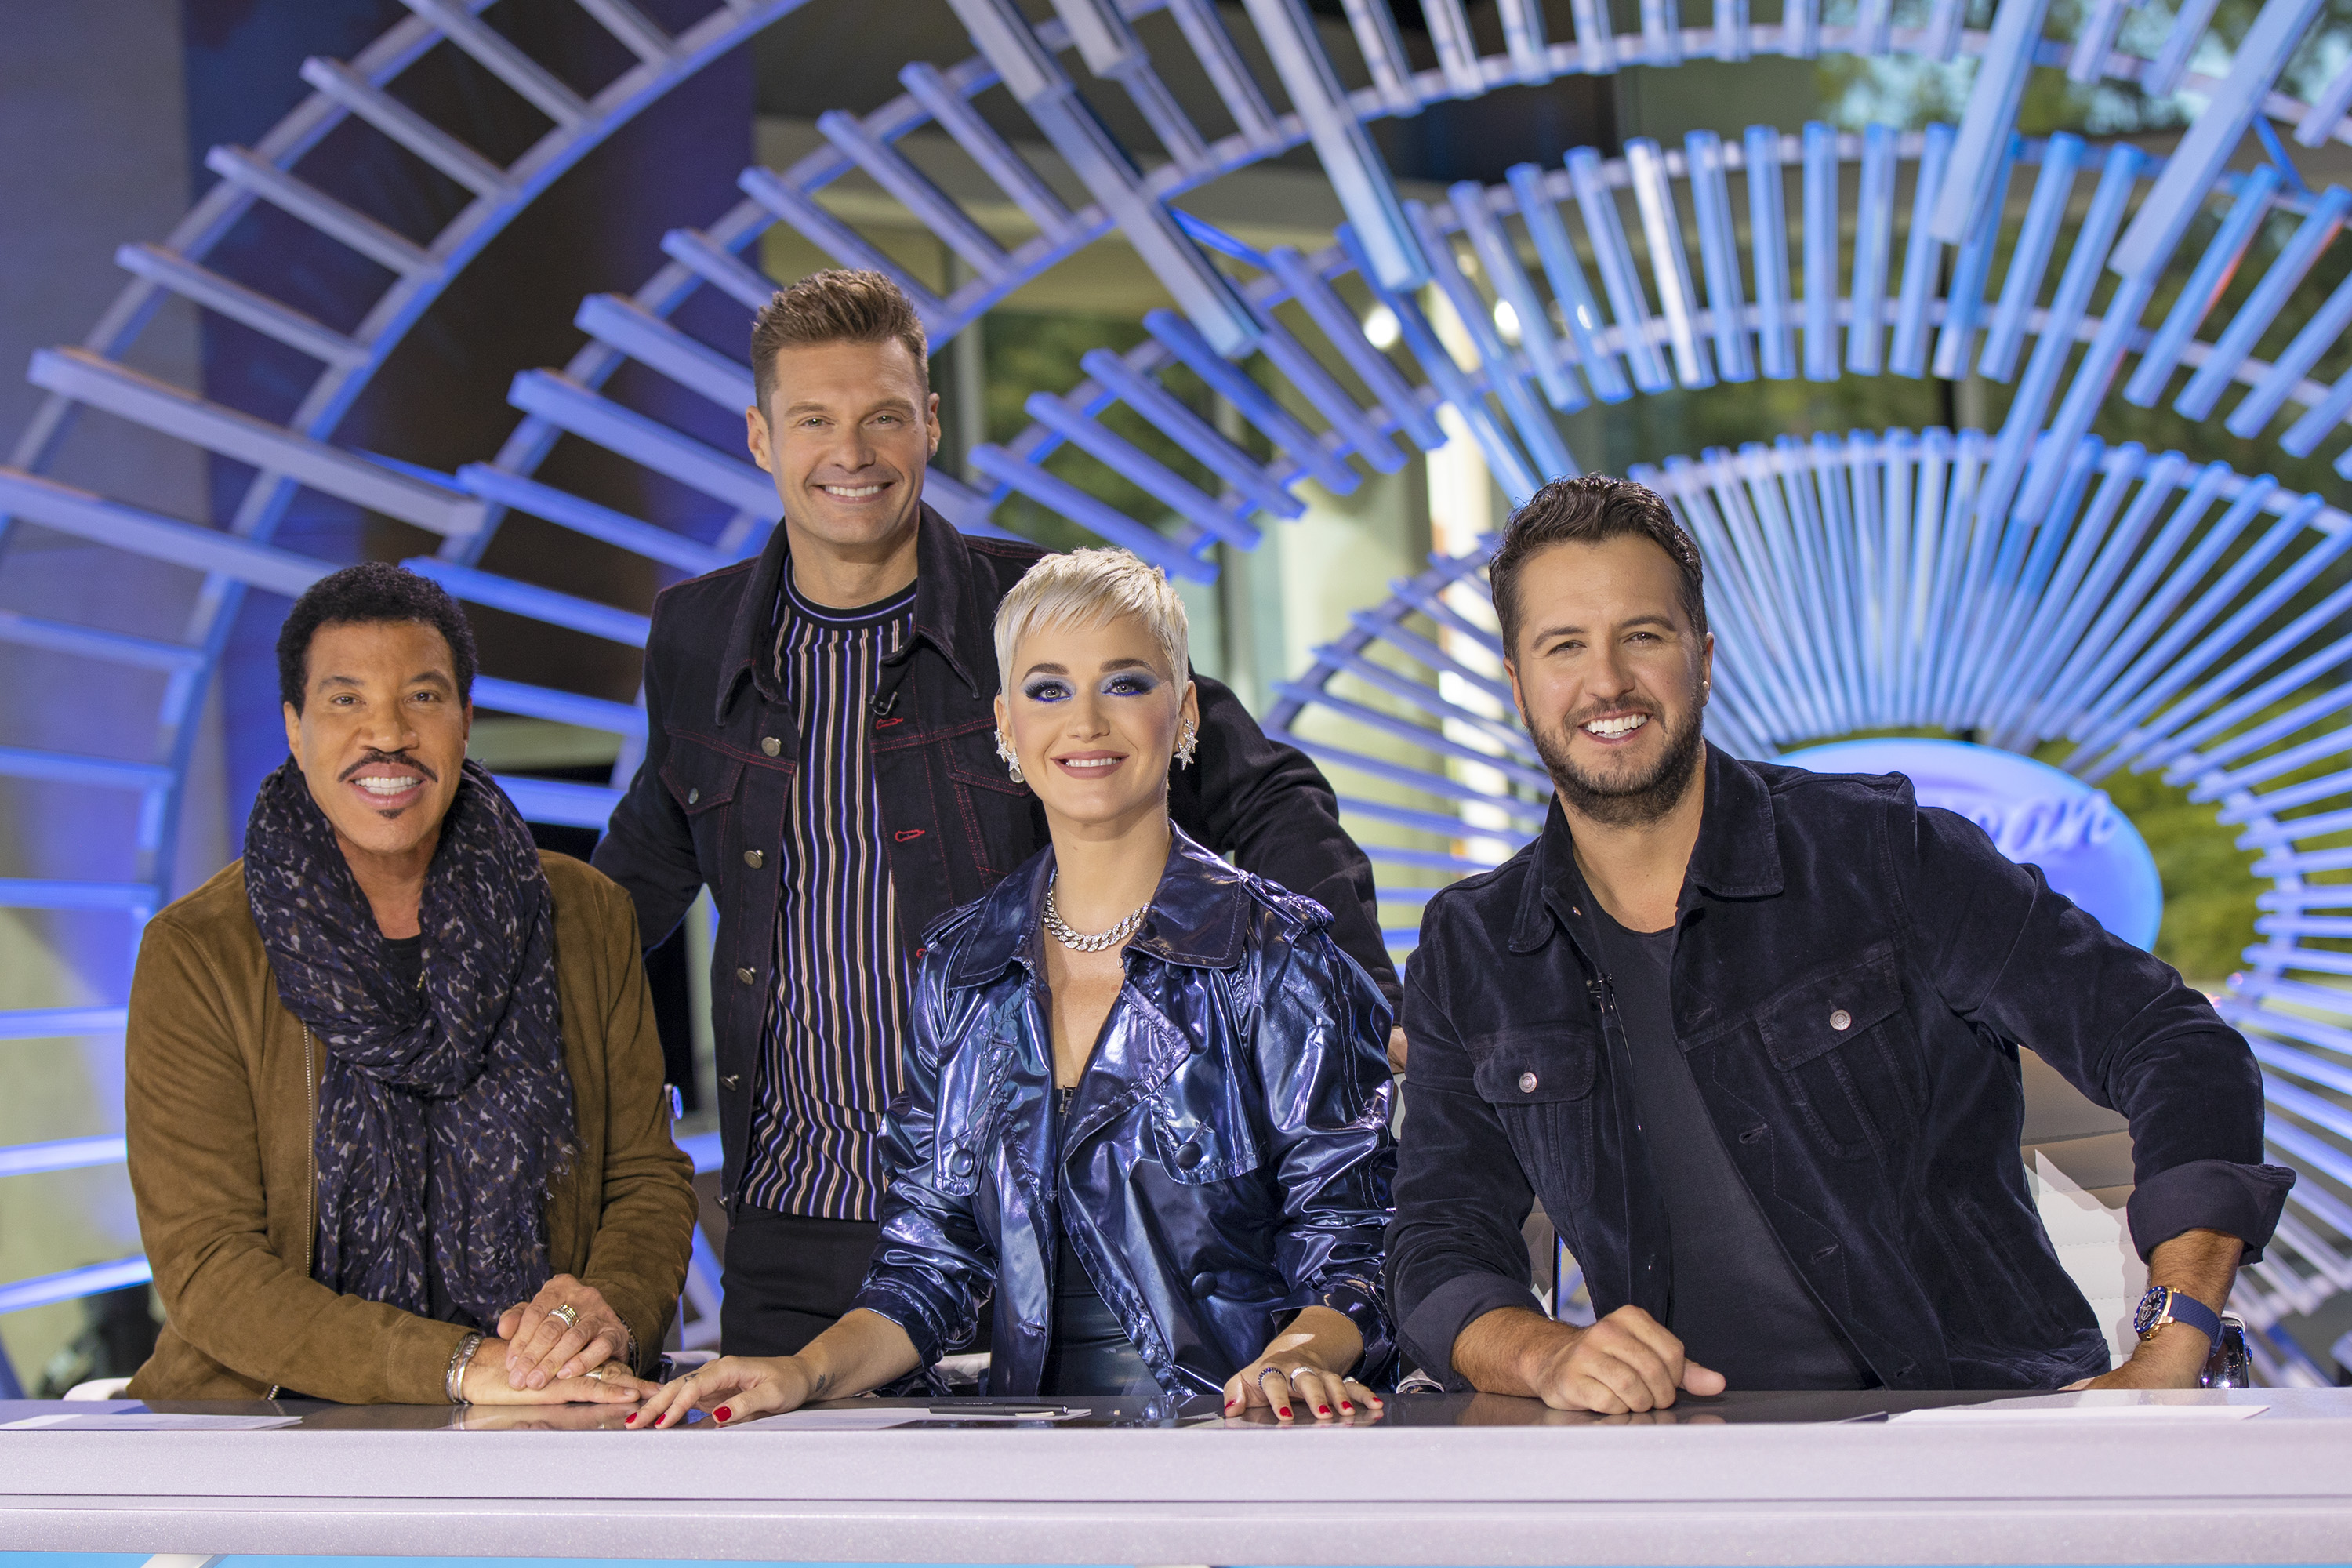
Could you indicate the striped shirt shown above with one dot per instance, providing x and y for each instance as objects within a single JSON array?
[{"x": 829, "y": 1058}]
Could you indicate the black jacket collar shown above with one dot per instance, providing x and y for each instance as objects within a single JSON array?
[
  {"x": 1196, "y": 919},
  {"x": 948, "y": 613},
  {"x": 1738, "y": 855}
]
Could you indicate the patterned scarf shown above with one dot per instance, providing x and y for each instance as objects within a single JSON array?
[{"x": 446, "y": 1112}]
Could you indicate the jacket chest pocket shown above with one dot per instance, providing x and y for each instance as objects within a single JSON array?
[
  {"x": 1000, "y": 817},
  {"x": 1539, "y": 1079},
  {"x": 705, "y": 784},
  {"x": 1201, "y": 1138},
  {"x": 1842, "y": 1048}
]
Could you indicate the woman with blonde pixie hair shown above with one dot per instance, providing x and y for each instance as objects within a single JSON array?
[{"x": 1146, "y": 1102}]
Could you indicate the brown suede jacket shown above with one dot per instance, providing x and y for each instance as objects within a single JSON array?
[{"x": 220, "y": 1089}]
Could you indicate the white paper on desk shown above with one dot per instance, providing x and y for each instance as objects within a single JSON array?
[
  {"x": 2094, "y": 1405},
  {"x": 875, "y": 1420},
  {"x": 150, "y": 1421}
]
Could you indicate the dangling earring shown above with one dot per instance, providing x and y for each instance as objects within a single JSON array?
[
  {"x": 1012, "y": 763},
  {"x": 1187, "y": 743}
]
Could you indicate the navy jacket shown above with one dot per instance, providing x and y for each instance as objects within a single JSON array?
[
  {"x": 1227, "y": 1158},
  {"x": 707, "y": 804},
  {"x": 1854, "y": 976}
]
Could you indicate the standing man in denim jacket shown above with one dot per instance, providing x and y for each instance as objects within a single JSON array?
[
  {"x": 820, "y": 751},
  {"x": 1751, "y": 1034}
]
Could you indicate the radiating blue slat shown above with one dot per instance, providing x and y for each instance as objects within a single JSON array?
[
  {"x": 1801, "y": 28},
  {"x": 559, "y": 803},
  {"x": 1734, "y": 39},
  {"x": 1988, "y": 125},
  {"x": 2203, "y": 289},
  {"x": 1767, "y": 229},
  {"x": 1160, "y": 407},
  {"x": 63, "y": 1155},
  {"x": 889, "y": 169},
  {"x": 588, "y": 414},
  {"x": 2316, "y": 336},
  {"x": 66, "y": 510},
  {"x": 622, "y": 323},
  {"x": 1873, "y": 248},
  {"x": 1338, "y": 325},
  {"x": 561, "y": 706},
  {"x": 585, "y": 517},
  {"x": 1619, "y": 277},
  {"x": 2320, "y": 418},
  {"x": 1971, "y": 268},
  {"x": 1056, "y": 494},
  {"x": 56, "y": 1023},
  {"x": 478, "y": 587},
  {"x": 954, "y": 114},
  {"x": 1322, "y": 393},
  {"x": 73, "y": 1284},
  {"x": 1500, "y": 258},
  {"x": 69, "y": 768},
  {"x": 43, "y": 893},
  {"x": 1580, "y": 315},
  {"x": 1497, "y": 363},
  {"x": 1661, "y": 230},
  {"x": 843, "y": 244},
  {"x": 1718, "y": 249},
  {"x": 1141, "y": 470},
  {"x": 1661, "y": 33},
  {"x": 2055, "y": 343},
  {"x": 1922, "y": 253},
  {"x": 88, "y": 642},
  {"x": 2029, "y": 258},
  {"x": 1819, "y": 242},
  {"x": 1358, "y": 174},
  {"x": 2252, "y": 319},
  {"x": 2212, "y": 136},
  {"x": 1596, "y": 46},
  {"x": 1256, "y": 405}
]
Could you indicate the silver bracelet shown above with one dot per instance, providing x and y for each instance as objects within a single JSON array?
[{"x": 454, "y": 1379}]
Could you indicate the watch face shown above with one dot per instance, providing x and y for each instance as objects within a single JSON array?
[{"x": 2152, "y": 1308}]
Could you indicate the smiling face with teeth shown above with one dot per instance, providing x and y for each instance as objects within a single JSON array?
[
  {"x": 381, "y": 739},
  {"x": 847, "y": 434},
  {"x": 1094, "y": 712},
  {"x": 1611, "y": 677}
]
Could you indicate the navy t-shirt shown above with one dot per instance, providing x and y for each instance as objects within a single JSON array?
[{"x": 1737, "y": 1304}]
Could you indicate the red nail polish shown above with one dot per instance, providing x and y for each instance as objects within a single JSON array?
[
  {"x": 1322, "y": 1410},
  {"x": 720, "y": 1413},
  {"x": 1345, "y": 1408},
  {"x": 630, "y": 1420}
]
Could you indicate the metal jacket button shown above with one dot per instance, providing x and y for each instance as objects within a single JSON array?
[
  {"x": 961, "y": 1163},
  {"x": 732, "y": 1081},
  {"x": 754, "y": 860},
  {"x": 1840, "y": 1020},
  {"x": 693, "y": 796},
  {"x": 1527, "y": 1083},
  {"x": 1203, "y": 1284},
  {"x": 770, "y": 745},
  {"x": 745, "y": 975},
  {"x": 1187, "y": 1156}
]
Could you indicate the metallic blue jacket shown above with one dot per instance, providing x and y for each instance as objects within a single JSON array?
[{"x": 1228, "y": 1155}]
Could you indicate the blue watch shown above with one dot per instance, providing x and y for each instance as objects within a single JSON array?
[{"x": 2161, "y": 1306}]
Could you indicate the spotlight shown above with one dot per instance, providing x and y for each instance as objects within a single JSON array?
[{"x": 1381, "y": 327}]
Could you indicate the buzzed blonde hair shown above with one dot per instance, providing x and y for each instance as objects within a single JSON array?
[{"x": 1088, "y": 588}]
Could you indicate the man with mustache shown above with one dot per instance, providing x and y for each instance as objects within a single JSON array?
[
  {"x": 1751, "y": 1033},
  {"x": 392, "y": 1085},
  {"x": 821, "y": 754}
]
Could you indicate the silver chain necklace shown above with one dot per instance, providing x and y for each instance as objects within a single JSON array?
[{"x": 1077, "y": 942}]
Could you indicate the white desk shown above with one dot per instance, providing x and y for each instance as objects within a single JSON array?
[{"x": 1447, "y": 1481}]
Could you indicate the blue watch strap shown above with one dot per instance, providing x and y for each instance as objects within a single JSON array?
[{"x": 2186, "y": 1309}]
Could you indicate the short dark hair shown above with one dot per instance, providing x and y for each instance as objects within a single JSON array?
[
  {"x": 370, "y": 591},
  {"x": 1589, "y": 509},
  {"x": 835, "y": 306}
]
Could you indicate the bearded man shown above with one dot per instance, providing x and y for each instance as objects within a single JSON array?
[{"x": 1751, "y": 1033}]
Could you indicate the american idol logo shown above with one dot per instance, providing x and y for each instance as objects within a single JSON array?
[{"x": 2036, "y": 815}]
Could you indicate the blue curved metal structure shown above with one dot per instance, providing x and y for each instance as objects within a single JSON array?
[{"x": 1776, "y": 289}]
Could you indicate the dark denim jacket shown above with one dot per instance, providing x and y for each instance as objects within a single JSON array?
[
  {"x": 707, "y": 804},
  {"x": 1227, "y": 1158},
  {"x": 1854, "y": 976}
]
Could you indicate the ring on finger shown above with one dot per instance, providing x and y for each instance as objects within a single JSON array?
[{"x": 568, "y": 1312}]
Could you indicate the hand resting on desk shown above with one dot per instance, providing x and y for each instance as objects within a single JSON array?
[
  {"x": 1627, "y": 1361},
  {"x": 486, "y": 1383}
]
